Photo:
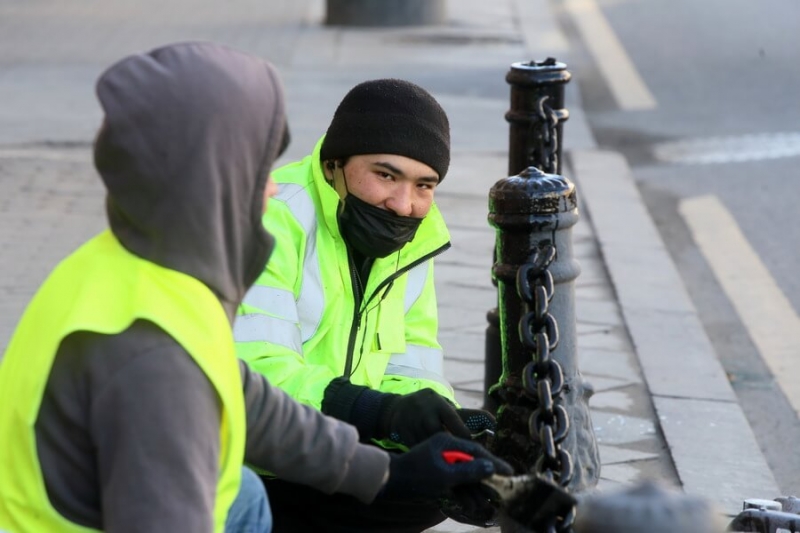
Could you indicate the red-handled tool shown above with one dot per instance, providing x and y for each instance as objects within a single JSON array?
[
  {"x": 505, "y": 486},
  {"x": 530, "y": 486},
  {"x": 452, "y": 457}
]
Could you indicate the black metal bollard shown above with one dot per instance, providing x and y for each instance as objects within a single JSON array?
[
  {"x": 536, "y": 116},
  {"x": 543, "y": 419},
  {"x": 385, "y": 12}
]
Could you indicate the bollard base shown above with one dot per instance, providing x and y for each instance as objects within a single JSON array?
[{"x": 385, "y": 12}]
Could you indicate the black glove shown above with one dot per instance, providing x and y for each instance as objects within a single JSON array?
[
  {"x": 406, "y": 419},
  {"x": 474, "y": 504},
  {"x": 423, "y": 474},
  {"x": 412, "y": 418},
  {"x": 477, "y": 420}
]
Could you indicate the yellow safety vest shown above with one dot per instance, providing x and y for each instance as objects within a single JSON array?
[{"x": 104, "y": 288}]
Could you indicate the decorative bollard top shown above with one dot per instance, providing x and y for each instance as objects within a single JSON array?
[
  {"x": 647, "y": 508},
  {"x": 533, "y": 192},
  {"x": 538, "y": 72}
]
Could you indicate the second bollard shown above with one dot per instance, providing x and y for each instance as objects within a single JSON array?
[{"x": 543, "y": 419}]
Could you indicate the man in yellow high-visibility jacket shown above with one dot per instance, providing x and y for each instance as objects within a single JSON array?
[
  {"x": 124, "y": 407},
  {"x": 344, "y": 317}
]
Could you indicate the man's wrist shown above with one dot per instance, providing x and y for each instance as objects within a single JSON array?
[
  {"x": 339, "y": 397},
  {"x": 357, "y": 405},
  {"x": 367, "y": 413}
]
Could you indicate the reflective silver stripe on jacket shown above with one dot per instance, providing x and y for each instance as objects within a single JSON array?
[
  {"x": 421, "y": 362},
  {"x": 279, "y": 302},
  {"x": 288, "y": 322},
  {"x": 260, "y": 328},
  {"x": 416, "y": 283}
]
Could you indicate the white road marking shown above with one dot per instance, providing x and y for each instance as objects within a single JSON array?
[
  {"x": 732, "y": 149},
  {"x": 769, "y": 317},
  {"x": 628, "y": 88}
]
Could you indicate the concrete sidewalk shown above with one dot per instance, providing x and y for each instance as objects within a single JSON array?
[{"x": 663, "y": 408}]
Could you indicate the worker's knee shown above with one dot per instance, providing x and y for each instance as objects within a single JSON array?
[{"x": 250, "y": 512}]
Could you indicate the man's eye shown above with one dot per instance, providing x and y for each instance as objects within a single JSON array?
[{"x": 384, "y": 175}]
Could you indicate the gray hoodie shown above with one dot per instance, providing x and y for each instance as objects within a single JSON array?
[{"x": 128, "y": 433}]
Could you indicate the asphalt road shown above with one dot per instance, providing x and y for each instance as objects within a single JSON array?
[{"x": 702, "y": 99}]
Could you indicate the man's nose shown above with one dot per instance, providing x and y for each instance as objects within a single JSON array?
[{"x": 400, "y": 202}]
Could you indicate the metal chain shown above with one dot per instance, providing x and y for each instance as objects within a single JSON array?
[
  {"x": 545, "y": 150},
  {"x": 543, "y": 377}
]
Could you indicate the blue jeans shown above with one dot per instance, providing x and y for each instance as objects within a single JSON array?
[{"x": 250, "y": 512}]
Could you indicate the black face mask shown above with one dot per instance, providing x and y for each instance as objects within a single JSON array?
[{"x": 372, "y": 231}]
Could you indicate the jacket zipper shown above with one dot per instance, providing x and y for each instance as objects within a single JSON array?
[
  {"x": 357, "y": 298},
  {"x": 351, "y": 343}
]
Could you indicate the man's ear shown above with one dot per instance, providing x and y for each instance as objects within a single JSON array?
[
  {"x": 339, "y": 183},
  {"x": 328, "y": 168}
]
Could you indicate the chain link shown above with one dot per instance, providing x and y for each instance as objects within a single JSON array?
[
  {"x": 544, "y": 148},
  {"x": 543, "y": 377}
]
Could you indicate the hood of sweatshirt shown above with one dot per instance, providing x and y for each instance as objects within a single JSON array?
[{"x": 190, "y": 134}]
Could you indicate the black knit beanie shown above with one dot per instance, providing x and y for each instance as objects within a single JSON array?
[{"x": 390, "y": 116}]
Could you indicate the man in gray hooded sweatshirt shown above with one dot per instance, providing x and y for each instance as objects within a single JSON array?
[{"x": 123, "y": 407}]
